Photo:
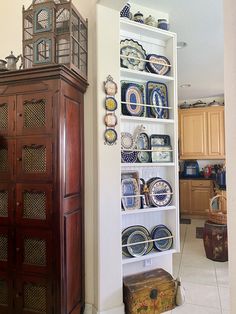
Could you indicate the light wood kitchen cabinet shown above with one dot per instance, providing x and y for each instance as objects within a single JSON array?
[
  {"x": 195, "y": 196},
  {"x": 185, "y": 188},
  {"x": 201, "y": 133}
]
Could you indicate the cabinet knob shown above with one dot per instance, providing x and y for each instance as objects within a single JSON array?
[
  {"x": 18, "y": 295},
  {"x": 17, "y": 203},
  {"x": 17, "y": 249},
  {"x": 19, "y": 114},
  {"x": 18, "y": 158}
]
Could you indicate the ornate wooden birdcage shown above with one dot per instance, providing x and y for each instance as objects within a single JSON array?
[{"x": 54, "y": 32}]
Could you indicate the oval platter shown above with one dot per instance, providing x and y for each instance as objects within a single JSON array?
[
  {"x": 157, "y": 96},
  {"x": 132, "y": 95},
  {"x": 161, "y": 67},
  {"x": 133, "y": 56}
]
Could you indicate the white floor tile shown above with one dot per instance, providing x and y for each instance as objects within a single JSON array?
[
  {"x": 222, "y": 273},
  {"x": 224, "y": 297},
  {"x": 195, "y": 309},
  {"x": 197, "y": 275},
  {"x": 196, "y": 260},
  {"x": 203, "y": 295}
]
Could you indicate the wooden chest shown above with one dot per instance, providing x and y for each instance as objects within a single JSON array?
[
  {"x": 149, "y": 292},
  {"x": 215, "y": 241}
]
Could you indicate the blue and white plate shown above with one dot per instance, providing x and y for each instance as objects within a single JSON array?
[
  {"x": 161, "y": 231},
  {"x": 130, "y": 188},
  {"x": 140, "y": 249},
  {"x": 143, "y": 143},
  {"x": 133, "y": 55},
  {"x": 160, "y": 193},
  {"x": 160, "y": 65},
  {"x": 157, "y": 97}
]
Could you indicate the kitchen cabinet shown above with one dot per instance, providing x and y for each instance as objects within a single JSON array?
[
  {"x": 41, "y": 191},
  {"x": 195, "y": 196},
  {"x": 184, "y": 202},
  {"x": 201, "y": 133}
]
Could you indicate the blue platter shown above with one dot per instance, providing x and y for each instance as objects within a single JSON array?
[
  {"x": 132, "y": 94},
  {"x": 157, "y": 96}
]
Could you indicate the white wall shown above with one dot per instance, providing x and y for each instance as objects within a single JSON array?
[{"x": 230, "y": 96}]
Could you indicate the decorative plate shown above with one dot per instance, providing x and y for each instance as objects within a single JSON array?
[
  {"x": 132, "y": 94},
  {"x": 162, "y": 154},
  {"x": 137, "y": 249},
  {"x": 162, "y": 231},
  {"x": 127, "y": 232},
  {"x": 157, "y": 96},
  {"x": 110, "y": 136},
  {"x": 110, "y": 86},
  {"x": 159, "y": 140},
  {"x": 127, "y": 140},
  {"x": 133, "y": 55},
  {"x": 160, "y": 193},
  {"x": 110, "y": 120},
  {"x": 110, "y": 104},
  {"x": 158, "y": 64},
  {"x": 143, "y": 143},
  {"x": 130, "y": 188},
  {"x": 128, "y": 157}
]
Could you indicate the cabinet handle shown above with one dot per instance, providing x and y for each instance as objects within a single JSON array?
[
  {"x": 19, "y": 114},
  {"x": 17, "y": 203},
  {"x": 17, "y": 249},
  {"x": 18, "y": 158},
  {"x": 18, "y": 295}
]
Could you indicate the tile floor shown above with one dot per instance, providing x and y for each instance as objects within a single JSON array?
[{"x": 205, "y": 281}]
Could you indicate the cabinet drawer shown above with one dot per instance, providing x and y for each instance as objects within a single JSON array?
[{"x": 201, "y": 183}]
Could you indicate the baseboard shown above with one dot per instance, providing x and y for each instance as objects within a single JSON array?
[{"x": 90, "y": 309}]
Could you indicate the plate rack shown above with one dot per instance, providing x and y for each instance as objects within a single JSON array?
[{"x": 159, "y": 42}]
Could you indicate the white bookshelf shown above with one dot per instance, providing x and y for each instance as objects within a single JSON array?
[{"x": 158, "y": 42}]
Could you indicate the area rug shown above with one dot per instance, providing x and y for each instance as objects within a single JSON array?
[
  {"x": 199, "y": 232},
  {"x": 185, "y": 221}
]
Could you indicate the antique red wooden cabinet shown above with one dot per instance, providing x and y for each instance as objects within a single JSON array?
[{"x": 41, "y": 191}]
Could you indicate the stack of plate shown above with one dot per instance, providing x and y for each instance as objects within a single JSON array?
[
  {"x": 127, "y": 142},
  {"x": 136, "y": 234},
  {"x": 161, "y": 231}
]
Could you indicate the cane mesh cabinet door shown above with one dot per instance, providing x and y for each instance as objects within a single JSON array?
[
  {"x": 7, "y": 111},
  {"x": 33, "y": 295},
  {"x": 34, "y": 113},
  {"x": 41, "y": 191},
  {"x": 34, "y": 205}
]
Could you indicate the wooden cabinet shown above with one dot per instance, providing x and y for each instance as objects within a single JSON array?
[
  {"x": 202, "y": 133},
  {"x": 195, "y": 196},
  {"x": 41, "y": 191},
  {"x": 185, "y": 189}
]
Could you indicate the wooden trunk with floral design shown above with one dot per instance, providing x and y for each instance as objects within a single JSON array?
[{"x": 149, "y": 292}]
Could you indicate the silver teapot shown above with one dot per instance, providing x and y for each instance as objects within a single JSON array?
[{"x": 12, "y": 61}]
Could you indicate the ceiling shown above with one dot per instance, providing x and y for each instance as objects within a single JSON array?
[{"x": 200, "y": 24}]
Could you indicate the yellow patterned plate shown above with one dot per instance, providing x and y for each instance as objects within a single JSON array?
[{"x": 110, "y": 104}]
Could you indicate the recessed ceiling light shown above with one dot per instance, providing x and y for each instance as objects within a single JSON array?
[
  {"x": 185, "y": 85},
  {"x": 181, "y": 44}
]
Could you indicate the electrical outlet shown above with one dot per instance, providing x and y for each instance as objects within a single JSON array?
[{"x": 148, "y": 262}]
